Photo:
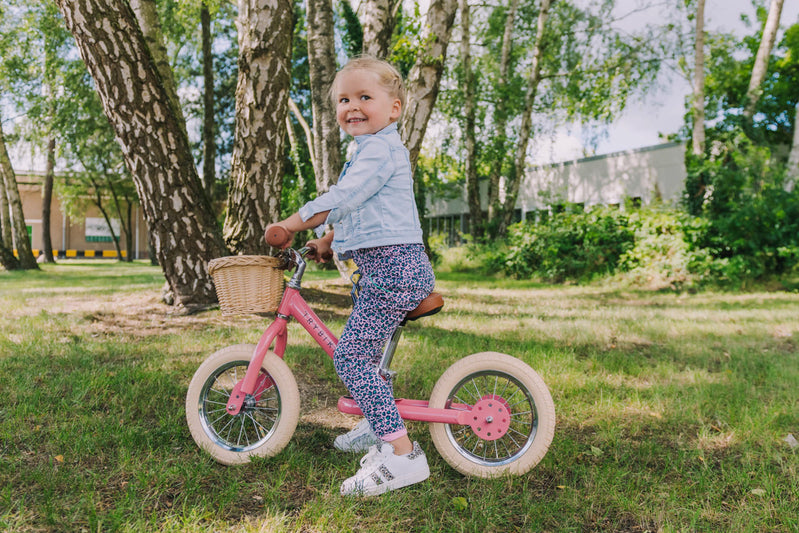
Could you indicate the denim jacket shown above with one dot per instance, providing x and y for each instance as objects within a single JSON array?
[{"x": 372, "y": 204}]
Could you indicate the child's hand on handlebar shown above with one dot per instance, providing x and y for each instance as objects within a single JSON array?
[{"x": 320, "y": 250}]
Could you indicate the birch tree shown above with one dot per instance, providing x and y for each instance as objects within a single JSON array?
[
  {"x": 183, "y": 229},
  {"x": 501, "y": 110},
  {"x": 378, "y": 18},
  {"x": 147, "y": 16},
  {"x": 469, "y": 112},
  {"x": 698, "y": 104},
  {"x": 25, "y": 261},
  {"x": 525, "y": 131},
  {"x": 760, "y": 68},
  {"x": 792, "y": 170},
  {"x": 209, "y": 144},
  {"x": 322, "y": 69},
  {"x": 256, "y": 181},
  {"x": 424, "y": 79}
]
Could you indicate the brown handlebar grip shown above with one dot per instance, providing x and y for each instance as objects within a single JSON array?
[{"x": 277, "y": 236}]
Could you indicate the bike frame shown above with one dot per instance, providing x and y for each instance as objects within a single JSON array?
[{"x": 293, "y": 305}]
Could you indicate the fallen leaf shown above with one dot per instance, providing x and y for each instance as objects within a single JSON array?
[
  {"x": 59, "y": 458},
  {"x": 596, "y": 451},
  {"x": 460, "y": 503}
]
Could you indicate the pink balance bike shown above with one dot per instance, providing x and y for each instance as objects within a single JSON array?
[{"x": 490, "y": 414}]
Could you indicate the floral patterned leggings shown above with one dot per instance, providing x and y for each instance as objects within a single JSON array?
[{"x": 394, "y": 279}]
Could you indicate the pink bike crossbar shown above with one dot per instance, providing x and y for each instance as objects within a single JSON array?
[{"x": 292, "y": 305}]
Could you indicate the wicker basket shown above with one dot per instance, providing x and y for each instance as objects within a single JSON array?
[{"x": 247, "y": 283}]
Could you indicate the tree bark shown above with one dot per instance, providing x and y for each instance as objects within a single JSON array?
[
  {"x": 698, "y": 141},
  {"x": 209, "y": 141},
  {"x": 147, "y": 16},
  {"x": 306, "y": 129},
  {"x": 6, "y": 238},
  {"x": 256, "y": 174},
  {"x": 525, "y": 131},
  {"x": 7, "y": 258},
  {"x": 322, "y": 67},
  {"x": 182, "y": 225},
  {"x": 501, "y": 115},
  {"x": 470, "y": 160},
  {"x": 425, "y": 76},
  {"x": 47, "y": 202},
  {"x": 378, "y": 18},
  {"x": 760, "y": 67},
  {"x": 792, "y": 172},
  {"x": 25, "y": 260}
]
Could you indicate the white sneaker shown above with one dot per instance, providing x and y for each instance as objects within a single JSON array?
[
  {"x": 359, "y": 439},
  {"x": 382, "y": 471}
]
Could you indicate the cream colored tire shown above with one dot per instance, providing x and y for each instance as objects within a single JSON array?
[
  {"x": 483, "y": 377},
  {"x": 264, "y": 425}
]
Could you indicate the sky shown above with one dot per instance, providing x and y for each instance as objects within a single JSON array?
[{"x": 643, "y": 122}]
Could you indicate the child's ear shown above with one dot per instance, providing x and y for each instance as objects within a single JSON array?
[{"x": 396, "y": 109}]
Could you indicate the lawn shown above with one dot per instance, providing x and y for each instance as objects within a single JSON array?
[{"x": 673, "y": 411}]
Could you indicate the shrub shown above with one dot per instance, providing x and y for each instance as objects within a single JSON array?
[
  {"x": 748, "y": 226},
  {"x": 569, "y": 245},
  {"x": 660, "y": 258}
]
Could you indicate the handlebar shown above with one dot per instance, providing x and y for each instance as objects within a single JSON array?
[
  {"x": 277, "y": 236},
  {"x": 280, "y": 237}
]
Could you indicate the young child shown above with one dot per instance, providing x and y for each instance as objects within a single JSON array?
[{"x": 375, "y": 222}]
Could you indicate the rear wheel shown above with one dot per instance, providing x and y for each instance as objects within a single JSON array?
[
  {"x": 514, "y": 416},
  {"x": 266, "y": 421}
]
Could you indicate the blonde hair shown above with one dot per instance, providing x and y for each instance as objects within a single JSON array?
[{"x": 388, "y": 76}]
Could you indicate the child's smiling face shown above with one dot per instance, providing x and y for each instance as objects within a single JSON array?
[{"x": 363, "y": 105}]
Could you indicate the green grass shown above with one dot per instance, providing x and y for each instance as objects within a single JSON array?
[{"x": 672, "y": 410}]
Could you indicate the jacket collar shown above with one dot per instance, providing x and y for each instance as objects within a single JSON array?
[{"x": 391, "y": 128}]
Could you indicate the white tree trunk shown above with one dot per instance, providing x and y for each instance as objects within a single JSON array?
[
  {"x": 425, "y": 75},
  {"x": 183, "y": 228},
  {"x": 792, "y": 172},
  {"x": 322, "y": 67},
  {"x": 17, "y": 218},
  {"x": 256, "y": 182},
  {"x": 501, "y": 114},
  {"x": 469, "y": 134},
  {"x": 525, "y": 131},
  {"x": 698, "y": 142},
  {"x": 147, "y": 16},
  {"x": 760, "y": 67},
  {"x": 377, "y": 19}
]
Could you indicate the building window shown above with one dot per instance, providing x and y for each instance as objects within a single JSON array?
[{"x": 98, "y": 238}]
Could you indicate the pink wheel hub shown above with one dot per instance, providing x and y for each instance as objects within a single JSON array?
[{"x": 490, "y": 417}]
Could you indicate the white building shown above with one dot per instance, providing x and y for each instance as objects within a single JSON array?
[{"x": 639, "y": 176}]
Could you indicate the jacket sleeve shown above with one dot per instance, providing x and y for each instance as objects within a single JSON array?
[{"x": 370, "y": 170}]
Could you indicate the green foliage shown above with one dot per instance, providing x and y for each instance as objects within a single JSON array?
[
  {"x": 749, "y": 225},
  {"x": 352, "y": 34},
  {"x": 483, "y": 258},
  {"x": 729, "y": 65},
  {"x": 569, "y": 245},
  {"x": 661, "y": 256},
  {"x": 406, "y": 40}
]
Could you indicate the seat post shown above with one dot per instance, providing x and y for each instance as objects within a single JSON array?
[{"x": 388, "y": 354}]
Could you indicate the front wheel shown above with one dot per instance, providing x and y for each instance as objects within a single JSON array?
[
  {"x": 267, "y": 419},
  {"x": 517, "y": 416}
]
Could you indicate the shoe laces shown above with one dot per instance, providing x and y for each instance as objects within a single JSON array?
[{"x": 373, "y": 456}]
